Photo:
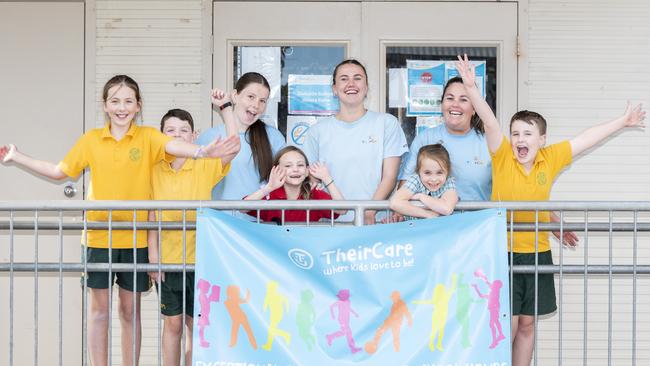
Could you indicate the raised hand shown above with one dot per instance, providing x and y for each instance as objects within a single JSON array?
[
  {"x": 219, "y": 148},
  {"x": 319, "y": 171},
  {"x": 7, "y": 153},
  {"x": 277, "y": 177},
  {"x": 466, "y": 70},
  {"x": 219, "y": 97},
  {"x": 634, "y": 117}
]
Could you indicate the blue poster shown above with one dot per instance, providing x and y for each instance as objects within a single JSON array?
[
  {"x": 424, "y": 292},
  {"x": 312, "y": 95},
  {"x": 426, "y": 81}
]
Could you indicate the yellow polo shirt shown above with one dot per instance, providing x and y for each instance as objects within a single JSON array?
[
  {"x": 119, "y": 170},
  {"x": 193, "y": 181},
  {"x": 510, "y": 182}
]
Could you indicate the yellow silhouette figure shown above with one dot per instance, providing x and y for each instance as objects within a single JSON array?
[
  {"x": 276, "y": 303},
  {"x": 440, "y": 301},
  {"x": 237, "y": 315},
  {"x": 394, "y": 321}
]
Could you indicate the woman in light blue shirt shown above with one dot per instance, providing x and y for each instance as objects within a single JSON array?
[
  {"x": 463, "y": 136},
  {"x": 259, "y": 142},
  {"x": 362, "y": 148}
]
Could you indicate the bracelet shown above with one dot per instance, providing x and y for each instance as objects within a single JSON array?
[
  {"x": 225, "y": 105},
  {"x": 327, "y": 185},
  {"x": 198, "y": 153}
]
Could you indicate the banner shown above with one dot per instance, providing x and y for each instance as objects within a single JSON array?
[{"x": 424, "y": 292}]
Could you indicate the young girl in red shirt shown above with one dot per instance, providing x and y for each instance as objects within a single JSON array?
[{"x": 289, "y": 180}]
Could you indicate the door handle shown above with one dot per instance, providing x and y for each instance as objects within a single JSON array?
[{"x": 69, "y": 190}]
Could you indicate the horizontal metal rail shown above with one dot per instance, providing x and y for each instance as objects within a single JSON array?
[{"x": 152, "y": 267}]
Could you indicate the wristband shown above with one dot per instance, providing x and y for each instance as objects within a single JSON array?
[
  {"x": 327, "y": 185},
  {"x": 198, "y": 153},
  {"x": 225, "y": 105}
]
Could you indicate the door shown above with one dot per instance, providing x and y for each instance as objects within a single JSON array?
[
  {"x": 284, "y": 40},
  {"x": 394, "y": 33},
  {"x": 382, "y": 35},
  {"x": 42, "y": 101}
]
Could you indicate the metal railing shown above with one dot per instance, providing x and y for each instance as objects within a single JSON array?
[{"x": 612, "y": 235}]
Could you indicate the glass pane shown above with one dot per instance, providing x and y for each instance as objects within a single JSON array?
[
  {"x": 277, "y": 63},
  {"x": 396, "y": 73}
]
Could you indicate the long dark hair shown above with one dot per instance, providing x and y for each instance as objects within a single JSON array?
[
  {"x": 475, "y": 123},
  {"x": 305, "y": 187},
  {"x": 256, "y": 133}
]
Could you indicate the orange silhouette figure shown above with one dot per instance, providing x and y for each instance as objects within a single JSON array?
[
  {"x": 394, "y": 321},
  {"x": 237, "y": 315}
]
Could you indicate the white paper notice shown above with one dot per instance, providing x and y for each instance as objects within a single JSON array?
[
  {"x": 266, "y": 61},
  {"x": 397, "y": 88}
]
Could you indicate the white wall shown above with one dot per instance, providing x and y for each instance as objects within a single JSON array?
[{"x": 584, "y": 60}]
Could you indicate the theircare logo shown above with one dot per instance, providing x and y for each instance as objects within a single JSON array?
[{"x": 301, "y": 258}]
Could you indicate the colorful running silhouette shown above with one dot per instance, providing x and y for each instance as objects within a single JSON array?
[
  {"x": 394, "y": 321},
  {"x": 464, "y": 300},
  {"x": 204, "y": 301},
  {"x": 440, "y": 301},
  {"x": 305, "y": 318},
  {"x": 343, "y": 305},
  {"x": 276, "y": 303},
  {"x": 494, "y": 306},
  {"x": 237, "y": 316}
]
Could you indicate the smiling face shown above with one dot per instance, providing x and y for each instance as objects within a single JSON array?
[
  {"x": 178, "y": 129},
  {"x": 350, "y": 84},
  {"x": 432, "y": 174},
  {"x": 121, "y": 105},
  {"x": 457, "y": 110},
  {"x": 526, "y": 140},
  {"x": 295, "y": 166},
  {"x": 250, "y": 103}
]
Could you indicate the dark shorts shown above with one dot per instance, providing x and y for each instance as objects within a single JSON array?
[
  {"x": 523, "y": 286},
  {"x": 171, "y": 294},
  {"x": 125, "y": 280}
]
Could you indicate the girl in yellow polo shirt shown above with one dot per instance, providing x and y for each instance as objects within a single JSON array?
[{"x": 120, "y": 157}]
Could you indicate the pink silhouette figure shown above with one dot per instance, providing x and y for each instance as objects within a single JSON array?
[
  {"x": 493, "y": 306},
  {"x": 345, "y": 309},
  {"x": 204, "y": 301}
]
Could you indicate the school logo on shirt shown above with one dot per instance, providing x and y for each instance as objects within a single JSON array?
[
  {"x": 477, "y": 161},
  {"x": 541, "y": 178},
  {"x": 135, "y": 154},
  {"x": 369, "y": 140}
]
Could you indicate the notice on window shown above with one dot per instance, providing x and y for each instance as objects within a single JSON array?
[
  {"x": 312, "y": 95},
  {"x": 266, "y": 61},
  {"x": 297, "y": 127},
  {"x": 426, "y": 81},
  {"x": 397, "y": 88}
]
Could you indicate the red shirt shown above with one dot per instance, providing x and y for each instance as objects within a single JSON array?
[{"x": 294, "y": 215}]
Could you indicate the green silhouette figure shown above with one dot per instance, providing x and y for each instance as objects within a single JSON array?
[
  {"x": 440, "y": 301},
  {"x": 305, "y": 318},
  {"x": 276, "y": 303},
  {"x": 393, "y": 322},
  {"x": 464, "y": 300}
]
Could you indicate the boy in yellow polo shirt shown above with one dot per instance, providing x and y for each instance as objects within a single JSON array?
[
  {"x": 524, "y": 170},
  {"x": 182, "y": 179}
]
